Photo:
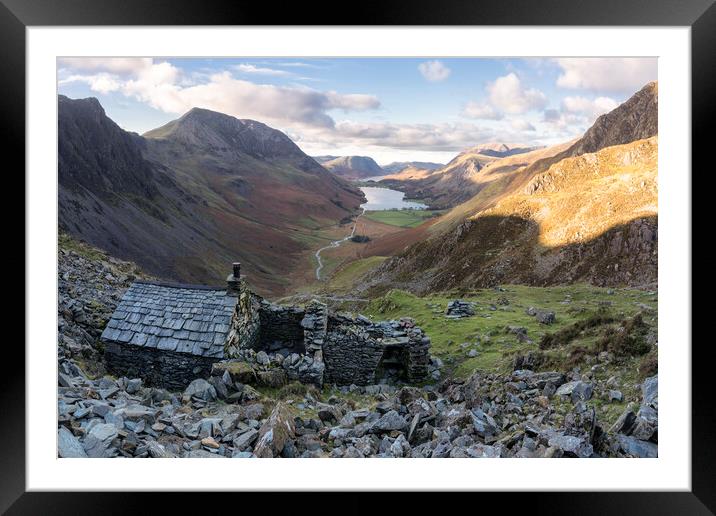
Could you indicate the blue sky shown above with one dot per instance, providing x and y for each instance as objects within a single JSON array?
[{"x": 392, "y": 109}]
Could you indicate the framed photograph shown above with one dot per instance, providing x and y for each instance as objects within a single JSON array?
[{"x": 431, "y": 237}]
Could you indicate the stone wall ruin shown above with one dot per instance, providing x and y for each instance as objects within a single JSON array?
[{"x": 319, "y": 346}]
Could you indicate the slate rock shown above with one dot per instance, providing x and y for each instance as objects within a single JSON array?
[
  {"x": 572, "y": 446},
  {"x": 273, "y": 434},
  {"x": 388, "y": 422},
  {"x": 637, "y": 448},
  {"x": 104, "y": 432},
  {"x": 200, "y": 389},
  {"x": 245, "y": 440},
  {"x": 133, "y": 385},
  {"x": 68, "y": 446}
]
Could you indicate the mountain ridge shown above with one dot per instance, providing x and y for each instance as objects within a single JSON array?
[
  {"x": 568, "y": 216},
  {"x": 190, "y": 198}
]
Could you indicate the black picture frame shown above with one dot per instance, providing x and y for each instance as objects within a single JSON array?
[{"x": 700, "y": 15}]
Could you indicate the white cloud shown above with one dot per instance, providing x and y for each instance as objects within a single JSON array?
[
  {"x": 119, "y": 65},
  {"x": 419, "y": 137},
  {"x": 101, "y": 82},
  {"x": 590, "y": 108},
  {"x": 249, "y": 68},
  {"x": 522, "y": 125},
  {"x": 509, "y": 96},
  {"x": 297, "y": 64},
  {"x": 164, "y": 87},
  {"x": 434, "y": 71},
  {"x": 607, "y": 74},
  {"x": 578, "y": 113},
  {"x": 481, "y": 111}
]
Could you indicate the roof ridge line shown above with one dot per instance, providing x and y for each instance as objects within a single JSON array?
[{"x": 179, "y": 285}]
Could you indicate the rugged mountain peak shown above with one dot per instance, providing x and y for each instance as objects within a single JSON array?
[
  {"x": 635, "y": 119},
  {"x": 88, "y": 105},
  {"x": 223, "y": 134},
  {"x": 96, "y": 155}
]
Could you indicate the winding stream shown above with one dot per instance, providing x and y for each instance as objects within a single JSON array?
[
  {"x": 377, "y": 198},
  {"x": 334, "y": 244}
]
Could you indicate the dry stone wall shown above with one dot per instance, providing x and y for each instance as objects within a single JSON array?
[
  {"x": 281, "y": 330},
  {"x": 351, "y": 357}
]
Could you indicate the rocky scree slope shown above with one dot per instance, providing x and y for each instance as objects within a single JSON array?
[
  {"x": 90, "y": 285},
  {"x": 190, "y": 197}
]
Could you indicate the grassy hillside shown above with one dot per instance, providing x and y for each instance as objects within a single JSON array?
[
  {"x": 490, "y": 335},
  {"x": 402, "y": 218},
  {"x": 588, "y": 218}
]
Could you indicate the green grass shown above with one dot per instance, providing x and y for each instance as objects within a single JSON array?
[
  {"x": 344, "y": 278},
  {"x": 486, "y": 331},
  {"x": 401, "y": 218},
  {"x": 66, "y": 242}
]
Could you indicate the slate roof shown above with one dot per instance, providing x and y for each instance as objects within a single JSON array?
[{"x": 184, "y": 318}]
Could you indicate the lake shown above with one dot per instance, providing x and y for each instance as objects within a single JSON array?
[{"x": 386, "y": 199}]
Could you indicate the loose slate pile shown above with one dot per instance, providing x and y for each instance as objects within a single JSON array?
[
  {"x": 458, "y": 308},
  {"x": 486, "y": 416}
]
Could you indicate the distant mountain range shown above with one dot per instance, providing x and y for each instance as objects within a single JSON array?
[
  {"x": 499, "y": 150},
  {"x": 187, "y": 199},
  {"x": 398, "y": 166},
  {"x": 585, "y": 210},
  {"x": 449, "y": 185},
  {"x": 351, "y": 167}
]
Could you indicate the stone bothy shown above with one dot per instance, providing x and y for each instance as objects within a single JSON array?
[
  {"x": 168, "y": 334},
  {"x": 171, "y": 334}
]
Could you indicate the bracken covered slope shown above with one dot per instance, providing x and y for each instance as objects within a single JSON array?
[
  {"x": 591, "y": 218},
  {"x": 583, "y": 211},
  {"x": 460, "y": 179}
]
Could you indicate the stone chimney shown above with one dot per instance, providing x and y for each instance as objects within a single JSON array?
[{"x": 233, "y": 281}]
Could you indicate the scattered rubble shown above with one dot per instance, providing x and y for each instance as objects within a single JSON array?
[{"x": 458, "y": 308}]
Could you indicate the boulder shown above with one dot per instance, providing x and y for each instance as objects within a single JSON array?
[
  {"x": 483, "y": 424},
  {"x": 104, "y": 432},
  {"x": 240, "y": 372},
  {"x": 650, "y": 392},
  {"x": 273, "y": 378},
  {"x": 637, "y": 448},
  {"x": 545, "y": 317},
  {"x": 68, "y": 446},
  {"x": 134, "y": 385},
  {"x": 388, "y": 422},
  {"x": 158, "y": 451},
  {"x": 262, "y": 358},
  {"x": 199, "y": 389},
  {"x": 274, "y": 433},
  {"x": 136, "y": 412},
  {"x": 571, "y": 446},
  {"x": 245, "y": 440},
  {"x": 576, "y": 390}
]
